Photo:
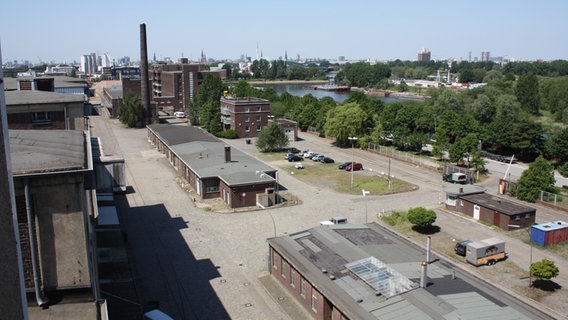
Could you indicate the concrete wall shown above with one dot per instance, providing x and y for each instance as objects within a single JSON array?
[
  {"x": 59, "y": 205},
  {"x": 62, "y": 116}
]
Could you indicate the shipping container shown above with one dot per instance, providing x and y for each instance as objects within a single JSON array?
[{"x": 549, "y": 233}]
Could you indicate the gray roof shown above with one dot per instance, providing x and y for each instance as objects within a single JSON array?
[
  {"x": 40, "y": 97},
  {"x": 47, "y": 151},
  {"x": 463, "y": 189},
  {"x": 498, "y": 204},
  {"x": 59, "y": 82},
  {"x": 205, "y": 155},
  {"x": 323, "y": 256}
]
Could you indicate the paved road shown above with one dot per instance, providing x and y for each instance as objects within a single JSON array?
[{"x": 170, "y": 233}]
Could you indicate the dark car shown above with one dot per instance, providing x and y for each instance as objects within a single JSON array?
[
  {"x": 355, "y": 166},
  {"x": 293, "y": 150},
  {"x": 295, "y": 158},
  {"x": 327, "y": 160},
  {"x": 287, "y": 156},
  {"x": 344, "y": 165}
]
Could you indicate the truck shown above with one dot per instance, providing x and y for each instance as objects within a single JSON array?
[
  {"x": 455, "y": 177},
  {"x": 484, "y": 252}
]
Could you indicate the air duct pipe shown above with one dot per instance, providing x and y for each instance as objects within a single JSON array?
[{"x": 33, "y": 244}]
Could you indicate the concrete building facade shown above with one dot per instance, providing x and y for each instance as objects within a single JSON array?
[
  {"x": 247, "y": 116},
  {"x": 54, "y": 192}
]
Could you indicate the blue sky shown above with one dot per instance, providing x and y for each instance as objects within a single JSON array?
[{"x": 63, "y": 30}]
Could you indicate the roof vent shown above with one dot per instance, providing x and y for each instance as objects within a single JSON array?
[
  {"x": 324, "y": 270},
  {"x": 359, "y": 300},
  {"x": 332, "y": 277}
]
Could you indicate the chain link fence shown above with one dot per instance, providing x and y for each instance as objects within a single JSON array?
[
  {"x": 418, "y": 160},
  {"x": 554, "y": 199}
]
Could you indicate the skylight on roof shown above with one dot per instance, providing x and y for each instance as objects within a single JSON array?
[{"x": 381, "y": 277}]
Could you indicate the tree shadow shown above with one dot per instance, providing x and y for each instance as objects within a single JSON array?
[
  {"x": 546, "y": 285},
  {"x": 432, "y": 229}
]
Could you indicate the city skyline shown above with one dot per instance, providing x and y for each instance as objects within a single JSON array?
[{"x": 366, "y": 30}]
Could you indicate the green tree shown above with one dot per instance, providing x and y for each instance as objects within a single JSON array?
[
  {"x": 130, "y": 110},
  {"x": 544, "y": 270},
  {"x": 271, "y": 138},
  {"x": 557, "y": 147},
  {"x": 206, "y": 103},
  {"x": 421, "y": 218},
  {"x": 345, "y": 121},
  {"x": 527, "y": 92},
  {"x": 539, "y": 176},
  {"x": 563, "y": 170},
  {"x": 483, "y": 109}
]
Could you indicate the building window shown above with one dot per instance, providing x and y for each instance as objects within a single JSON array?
[
  {"x": 258, "y": 108},
  {"x": 258, "y": 118},
  {"x": 247, "y": 129},
  {"x": 283, "y": 268},
  {"x": 274, "y": 261},
  {"x": 527, "y": 215},
  {"x": 517, "y": 217},
  {"x": 247, "y": 119},
  {"x": 293, "y": 277},
  {"x": 247, "y": 109},
  {"x": 314, "y": 303},
  {"x": 258, "y": 128},
  {"x": 303, "y": 287},
  {"x": 211, "y": 185},
  {"x": 41, "y": 117}
]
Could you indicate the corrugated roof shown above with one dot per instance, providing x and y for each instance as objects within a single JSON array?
[
  {"x": 497, "y": 203},
  {"x": 42, "y": 151}
]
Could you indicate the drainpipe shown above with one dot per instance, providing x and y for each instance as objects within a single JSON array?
[
  {"x": 33, "y": 244},
  {"x": 424, "y": 275},
  {"x": 428, "y": 248}
]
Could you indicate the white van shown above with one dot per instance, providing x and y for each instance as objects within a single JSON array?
[{"x": 334, "y": 220}]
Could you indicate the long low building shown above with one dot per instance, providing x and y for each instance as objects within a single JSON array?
[
  {"x": 212, "y": 168},
  {"x": 364, "y": 271}
]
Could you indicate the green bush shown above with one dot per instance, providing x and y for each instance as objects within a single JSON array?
[
  {"x": 421, "y": 217},
  {"x": 228, "y": 134},
  {"x": 395, "y": 218}
]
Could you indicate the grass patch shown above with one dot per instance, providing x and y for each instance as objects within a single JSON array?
[{"x": 340, "y": 180}]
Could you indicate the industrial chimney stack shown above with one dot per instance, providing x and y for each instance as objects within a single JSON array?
[{"x": 145, "y": 83}]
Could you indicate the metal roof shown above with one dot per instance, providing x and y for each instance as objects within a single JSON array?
[
  {"x": 43, "y": 151},
  {"x": 326, "y": 256},
  {"x": 549, "y": 226}
]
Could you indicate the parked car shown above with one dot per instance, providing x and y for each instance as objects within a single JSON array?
[
  {"x": 355, "y": 166},
  {"x": 344, "y": 165},
  {"x": 293, "y": 150},
  {"x": 298, "y": 165},
  {"x": 287, "y": 156},
  {"x": 179, "y": 114},
  {"x": 327, "y": 160},
  {"x": 318, "y": 157},
  {"x": 295, "y": 158},
  {"x": 308, "y": 154}
]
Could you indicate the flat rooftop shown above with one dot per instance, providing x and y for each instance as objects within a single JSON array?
[
  {"x": 368, "y": 272},
  {"x": 45, "y": 151}
]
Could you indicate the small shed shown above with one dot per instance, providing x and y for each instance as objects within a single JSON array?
[
  {"x": 497, "y": 211},
  {"x": 549, "y": 233}
]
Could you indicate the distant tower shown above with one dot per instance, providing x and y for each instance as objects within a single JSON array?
[
  {"x": 469, "y": 59},
  {"x": 286, "y": 55},
  {"x": 424, "y": 55},
  {"x": 257, "y": 52},
  {"x": 485, "y": 55}
]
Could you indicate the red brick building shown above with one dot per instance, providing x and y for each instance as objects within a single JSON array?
[{"x": 247, "y": 116}]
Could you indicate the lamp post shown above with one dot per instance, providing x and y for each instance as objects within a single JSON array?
[
  {"x": 529, "y": 229},
  {"x": 365, "y": 193},
  {"x": 352, "y": 139}
]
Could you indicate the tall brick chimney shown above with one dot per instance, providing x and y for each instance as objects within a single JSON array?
[{"x": 145, "y": 83}]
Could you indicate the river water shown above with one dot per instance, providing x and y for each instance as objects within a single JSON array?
[{"x": 301, "y": 89}]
